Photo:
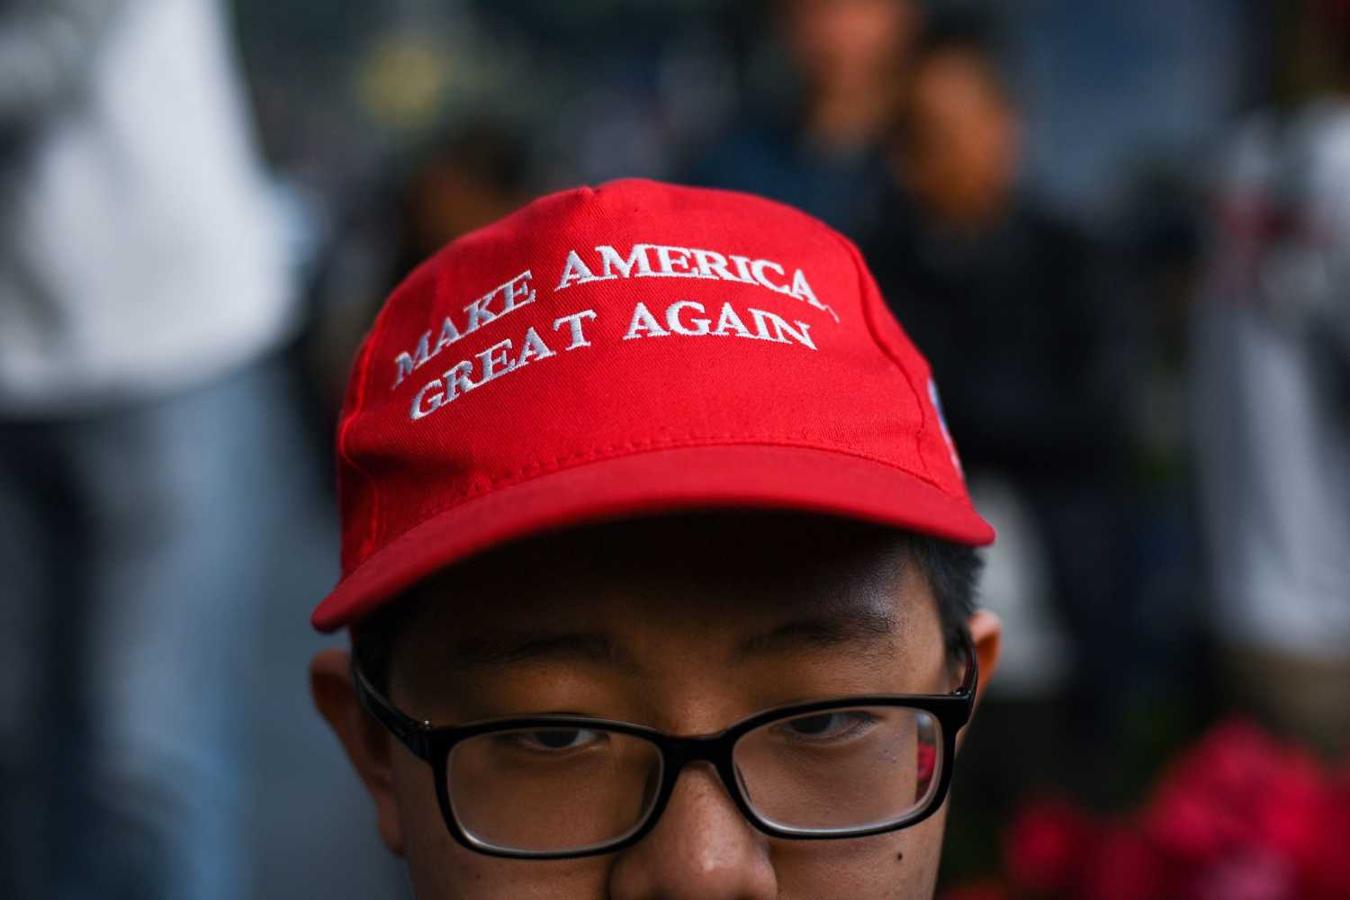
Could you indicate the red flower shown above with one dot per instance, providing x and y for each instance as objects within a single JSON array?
[
  {"x": 1327, "y": 864},
  {"x": 1255, "y": 874},
  {"x": 1215, "y": 797},
  {"x": 1294, "y": 811},
  {"x": 1238, "y": 817},
  {"x": 1257, "y": 817},
  {"x": 1127, "y": 867},
  {"x": 1048, "y": 846}
]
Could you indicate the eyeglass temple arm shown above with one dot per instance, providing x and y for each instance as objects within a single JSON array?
[{"x": 410, "y": 732}]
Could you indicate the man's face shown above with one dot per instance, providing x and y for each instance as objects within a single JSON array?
[
  {"x": 848, "y": 44},
  {"x": 962, "y": 151},
  {"x": 686, "y": 625}
]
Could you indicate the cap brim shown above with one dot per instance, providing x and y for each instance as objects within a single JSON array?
[{"x": 653, "y": 482}]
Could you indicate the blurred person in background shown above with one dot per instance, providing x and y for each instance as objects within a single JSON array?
[
  {"x": 1272, "y": 390},
  {"x": 467, "y": 175},
  {"x": 822, "y": 153},
  {"x": 147, "y": 455},
  {"x": 1005, "y": 299}
]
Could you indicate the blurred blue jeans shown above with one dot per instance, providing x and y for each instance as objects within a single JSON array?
[{"x": 134, "y": 547}]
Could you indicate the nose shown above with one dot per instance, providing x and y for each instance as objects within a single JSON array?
[{"x": 701, "y": 849}]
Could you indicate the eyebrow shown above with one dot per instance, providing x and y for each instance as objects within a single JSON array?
[{"x": 859, "y": 627}]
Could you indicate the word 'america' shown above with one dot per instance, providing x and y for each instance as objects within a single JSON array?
[{"x": 664, "y": 261}]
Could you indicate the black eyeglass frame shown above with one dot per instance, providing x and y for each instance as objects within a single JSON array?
[{"x": 433, "y": 744}]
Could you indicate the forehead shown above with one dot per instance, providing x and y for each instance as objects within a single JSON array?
[{"x": 715, "y": 572}]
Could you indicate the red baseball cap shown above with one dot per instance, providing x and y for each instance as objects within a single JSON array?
[{"x": 631, "y": 349}]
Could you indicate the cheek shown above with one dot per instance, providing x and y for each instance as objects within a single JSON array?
[
  {"x": 429, "y": 849},
  {"x": 900, "y": 866}
]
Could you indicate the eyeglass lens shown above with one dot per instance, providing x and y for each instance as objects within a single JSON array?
[
  {"x": 840, "y": 770},
  {"x": 550, "y": 790},
  {"x": 563, "y": 789}
]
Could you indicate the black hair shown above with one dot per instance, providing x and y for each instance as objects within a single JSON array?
[
  {"x": 969, "y": 33},
  {"x": 952, "y": 571},
  {"x": 488, "y": 149},
  {"x": 953, "y": 574}
]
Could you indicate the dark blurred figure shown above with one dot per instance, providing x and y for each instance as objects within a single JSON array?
[
  {"x": 468, "y": 176},
  {"x": 1006, "y": 302},
  {"x": 999, "y": 293},
  {"x": 465, "y": 175},
  {"x": 1272, "y": 389},
  {"x": 823, "y": 153}
]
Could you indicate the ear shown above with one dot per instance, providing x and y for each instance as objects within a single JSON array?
[
  {"x": 368, "y": 746},
  {"x": 986, "y": 633}
]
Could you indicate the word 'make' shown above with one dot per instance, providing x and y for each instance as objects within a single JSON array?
[{"x": 509, "y": 297}]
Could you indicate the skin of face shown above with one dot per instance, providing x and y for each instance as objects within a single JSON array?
[
  {"x": 964, "y": 140},
  {"x": 844, "y": 45},
  {"x": 686, "y": 624}
]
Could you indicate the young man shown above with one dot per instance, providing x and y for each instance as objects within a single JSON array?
[{"x": 656, "y": 560}]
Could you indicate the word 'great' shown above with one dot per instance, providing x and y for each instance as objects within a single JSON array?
[{"x": 500, "y": 359}]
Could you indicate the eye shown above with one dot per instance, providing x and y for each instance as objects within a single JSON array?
[
  {"x": 555, "y": 740},
  {"x": 828, "y": 726}
]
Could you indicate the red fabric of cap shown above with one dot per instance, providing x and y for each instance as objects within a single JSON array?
[{"x": 631, "y": 349}]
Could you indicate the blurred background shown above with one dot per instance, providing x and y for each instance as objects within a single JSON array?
[{"x": 1117, "y": 230}]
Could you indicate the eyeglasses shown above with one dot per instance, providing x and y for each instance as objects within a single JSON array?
[{"x": 563, "y": 786}]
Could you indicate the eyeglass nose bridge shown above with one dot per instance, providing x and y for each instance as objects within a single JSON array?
[{"x": 678, "y": 753}]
